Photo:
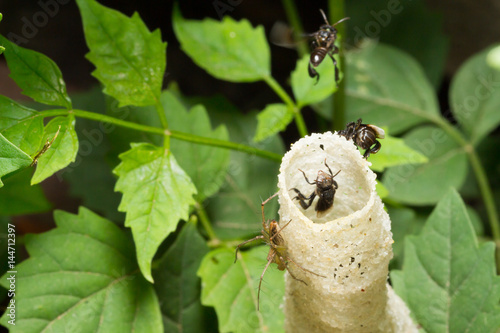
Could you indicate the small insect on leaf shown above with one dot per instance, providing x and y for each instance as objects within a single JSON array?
[
  {"x": 364, "y": 136},
  {"x": 45, "y": 147},
  {"x": 326, "y": 187},
  {"x": 324, "y": 43},
  {"x": 278, "y": 254}
]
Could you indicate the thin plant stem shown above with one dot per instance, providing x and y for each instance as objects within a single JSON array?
[
  {"x": 205, "y": 222},
  {"x": 336, "y": 13},
  {"x": 299, "y": 121},
  {"x": 298, "y": 31},
  {"x": 155, "y": 130}
]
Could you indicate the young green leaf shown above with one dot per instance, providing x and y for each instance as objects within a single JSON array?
[
  {"x": 11, "y": 158},
  {"x": 448, "y": 280},
  {"x": 82, "y": 277},
  {"x": 228, "y": 50},
  {"x": 231, "y": 288},
  {"x": 157, "y": 194},
  {"x": 177, "y": 286},
  {"x": 475, "y": 97},
  {"x": 61, "y": 152},
  {"x": 18, "y": 197},
  {"x": 493, "y": 57},
  {"x": 20, "y": 125},
  {"x": 423, "y": 184},
  {"x": 205, "y": 165},
  {"x": 130, "y": 60},
  {"x": 305, "y": 89},
  {"x": 394, "y": 152},
  {"x": 36, "y": 74},
  {"x": 273, "y": 119},
  {"x": 387, "y": 88}
]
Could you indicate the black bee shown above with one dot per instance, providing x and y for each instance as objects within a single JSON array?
[
  {"x": 325, "y": 190},
  {"x": 278, "y": 253},
  {"x": 323, "y": 44},
  {"x": 364, "y": 136}
]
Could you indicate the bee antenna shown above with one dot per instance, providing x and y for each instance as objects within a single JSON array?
[
  {"x": 324, "y": 16},
  {"x": 340, "y": 21}
]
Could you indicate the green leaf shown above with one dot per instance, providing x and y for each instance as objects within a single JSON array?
[
  {"x": 273, "y": 119},
  {"x": 11, "y": 158},
  {"x": 394, "y": 152},
  {"x": 95, "y": 188},
  {"x": 205, "y": 165},
  {"x": 305, "y": 89},
  {"x": 130, "y": 60},
  {"x": 36, "y": 74},
  {"x": 20, "y": 125},
  {"x": 82, "y": 277},
  {"x": 177, "y": 286},
  {"x": 381, "y": 190},
  {"x": 475, "y": 97},
  {"x": 404, "y": 222},
  {"x": 449, "y": 281},
  {"x": 156, "y": 195},
  {"x": 228, "y": 50},
  {"x": 17, "y": 197},
  {"x": 232, "y": 289},
  {"x": 387, "y": 88},
  {"x": 424, "y": 184},
  {"x": 62, "y": 151}
]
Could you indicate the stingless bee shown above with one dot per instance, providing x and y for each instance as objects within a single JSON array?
[
  {"x": 323, "y": 44},
  {"x": 278, "y": 253},
  {"x": 364, "y": 136},
  {"x": 325, "y": 189}
]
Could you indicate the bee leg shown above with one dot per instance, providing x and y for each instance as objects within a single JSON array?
[
  {"x": 261, "y": 277},
  {"x": 307, "y": 180},
  {"x": 373, "y": 150},
  {"x": 313, "y": 73},
  {"x": 302, "y": 198},
  {"x": 337, "y": 77},
  {"x": 241, "y": 244},
  {"x": 304, "y": 269}
]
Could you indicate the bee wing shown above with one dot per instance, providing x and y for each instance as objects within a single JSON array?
[{"x": 380, "y": 132}]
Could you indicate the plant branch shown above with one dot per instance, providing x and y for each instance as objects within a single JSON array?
[
  {"x": 299, "y": 121},
  {"x": 155, "y": 130},
  {"x": 164, "y": 122}
]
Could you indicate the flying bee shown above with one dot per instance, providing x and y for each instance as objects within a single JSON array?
[
  {"x": 364, "y": 136},
  {"x": 323, "y": 44},
  {"x": 325, "y": 189},
  {"x": 278, "y": 253},
  {"x": 45, "y": 147}
]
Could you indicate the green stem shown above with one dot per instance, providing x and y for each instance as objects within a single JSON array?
[
  {"x": 479, "y": 172},
  {"x": 205, "y": 222},
  {"x": 299, "y": 121},
  {"x": 155, "y": 130},
  {"x": 336, "y": 13},
  {"x": 164, "y": 122},
  {"x": 298, "y": 31}
]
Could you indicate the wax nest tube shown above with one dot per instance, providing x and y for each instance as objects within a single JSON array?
[{"x": 351, "y": 244}]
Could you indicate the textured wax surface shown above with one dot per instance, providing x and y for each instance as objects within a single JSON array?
[{"x": 350, "y": 245}]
